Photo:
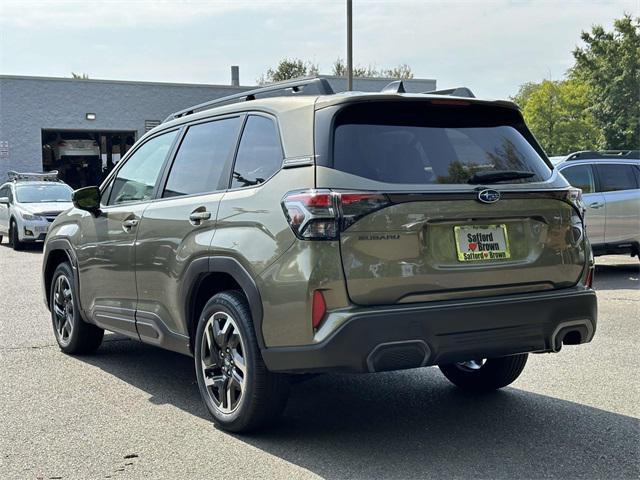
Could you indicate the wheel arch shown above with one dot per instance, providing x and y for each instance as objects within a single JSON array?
[
  {"x": 207, "y": 276},
  {"x": 56, "y": 252}
]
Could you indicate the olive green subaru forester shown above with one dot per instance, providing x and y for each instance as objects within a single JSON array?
[{"x": 290, "y": 230}]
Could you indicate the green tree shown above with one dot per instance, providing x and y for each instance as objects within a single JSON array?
[
  {"x": 402, "y": 71},
  {"x": 287, "y": 69},
  {"x": 558, "y": 114},
  {"x": 610, "y": 64},
  {"x": 524, "y": 92}
]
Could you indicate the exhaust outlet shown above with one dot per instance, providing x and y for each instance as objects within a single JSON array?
[{"x": 571, "y": 333}]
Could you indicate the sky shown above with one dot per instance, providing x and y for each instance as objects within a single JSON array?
[{"x": 491, "y": 47}]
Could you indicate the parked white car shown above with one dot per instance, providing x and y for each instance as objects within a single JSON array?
[
  {"x": 28, "y": 205},
  {"x": 75, "y": 144}
]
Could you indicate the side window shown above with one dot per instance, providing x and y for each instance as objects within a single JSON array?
[
  {"x": 5, "y": 192},
  {"x": 636, "y": 171},
  {"x": 203, "y": 157},
  {"x": 616, "y": 177},
  {"x": 259, "y": 154},
  {"x": 137, "y": 178},
  {"x": 580, "y": 176}
]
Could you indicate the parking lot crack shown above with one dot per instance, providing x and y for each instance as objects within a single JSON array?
[{"x": 41, "y": 347}]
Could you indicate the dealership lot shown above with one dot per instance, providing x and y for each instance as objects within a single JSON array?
[{"x": 134, "y": 411}]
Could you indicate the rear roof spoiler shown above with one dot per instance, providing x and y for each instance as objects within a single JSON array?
[
  {"x": 454, "y": 92},
  {"x": 398, "y": 87}
]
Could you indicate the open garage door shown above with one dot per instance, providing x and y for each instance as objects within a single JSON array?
[{"x": 83, "y": 157}]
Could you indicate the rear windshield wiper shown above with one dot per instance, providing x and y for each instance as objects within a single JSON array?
[{"x": 499, "y": 175}]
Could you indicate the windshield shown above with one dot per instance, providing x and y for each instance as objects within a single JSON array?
[
  {"x": 416, "y": 143},
  {"x": 43, "y": 193}
]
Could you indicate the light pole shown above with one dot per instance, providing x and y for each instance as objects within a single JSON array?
[{"x": 349, "y": 46}]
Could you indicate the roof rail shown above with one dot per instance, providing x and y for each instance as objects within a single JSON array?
[
  {"x": 51, "y": 176},
  {"x": 299, "y": 86},
  {"x": 454, "y": 92},
  {"x": 605, "y": 154}
]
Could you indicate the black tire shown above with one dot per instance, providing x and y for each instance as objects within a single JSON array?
[
  {"x": 494, "y": 373},
  {"x": 14, "y": 239},
  {"x": 263, "y": 395},
  {"x": 77, "y": 336}
]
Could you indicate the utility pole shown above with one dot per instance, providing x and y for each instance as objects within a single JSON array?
[{"x": 349, "y": 46}]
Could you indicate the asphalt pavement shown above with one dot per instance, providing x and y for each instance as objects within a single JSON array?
[{"x": 134, "y": 411}]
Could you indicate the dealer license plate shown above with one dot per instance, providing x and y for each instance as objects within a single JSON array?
[{"x": 479, "y": 243}]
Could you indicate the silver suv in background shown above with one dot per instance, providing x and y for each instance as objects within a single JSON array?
[
  {"x": 610, "y": 183},
  {"x": 29, "y": 202}
]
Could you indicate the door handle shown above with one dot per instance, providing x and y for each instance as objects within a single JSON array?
[
  {"x": 130, "y": 223},
  {"x": 197, "y": 217},
  {"x": 596, "y": 205}
]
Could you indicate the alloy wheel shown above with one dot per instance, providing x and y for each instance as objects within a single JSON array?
[
  {"x": 63, "y": 310},
  {"x": 223, "y": 362}
]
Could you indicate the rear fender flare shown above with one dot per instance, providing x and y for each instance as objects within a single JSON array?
[{"x": 232, "y": 267}]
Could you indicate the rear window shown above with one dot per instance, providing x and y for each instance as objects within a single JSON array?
[
  {"x": 420, "y": 143},
  {"x": 54, "y": 192}
]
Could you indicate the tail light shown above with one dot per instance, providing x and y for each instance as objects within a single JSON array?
[
  {"x": 574, "y": 197},
  {"x": 323, "y": 214},
  {"x": 62, "y": 144},
  {"x": 312, "y": 214}
]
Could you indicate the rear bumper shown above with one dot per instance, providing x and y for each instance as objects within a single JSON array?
[{"x": 408, "y": 336}]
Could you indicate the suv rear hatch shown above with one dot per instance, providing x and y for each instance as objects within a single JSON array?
[{"x": 407, "y": 178}]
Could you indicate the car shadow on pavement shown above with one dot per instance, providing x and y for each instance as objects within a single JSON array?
[
  {"x": 26, "y": 248},
  {"x": 623, "y": 276},
  {"x": 410, "y": 424}
]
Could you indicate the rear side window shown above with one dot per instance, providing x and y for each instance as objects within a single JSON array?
[
  {"x": 616, "y": 177},
  {"x": 418, "y": 143},
  {"x": 259, "y": 154},
  {"x": 202, "y": 158},
  {"x": 580, "y": 176}
]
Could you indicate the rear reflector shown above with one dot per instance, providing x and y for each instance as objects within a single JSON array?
[
  {"x": 588, "y": 282},
  {"x": 318, "y": 308}
]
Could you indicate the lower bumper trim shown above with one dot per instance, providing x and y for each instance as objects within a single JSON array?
[{"x": 445, "y": 332}]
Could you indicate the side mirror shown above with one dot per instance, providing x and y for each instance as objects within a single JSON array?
[
  {"x": 4, "y": 200},
  {"x": 87, "y": 198}
]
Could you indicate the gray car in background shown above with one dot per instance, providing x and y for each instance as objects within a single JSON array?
[{"x": 610, "y": 183}]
